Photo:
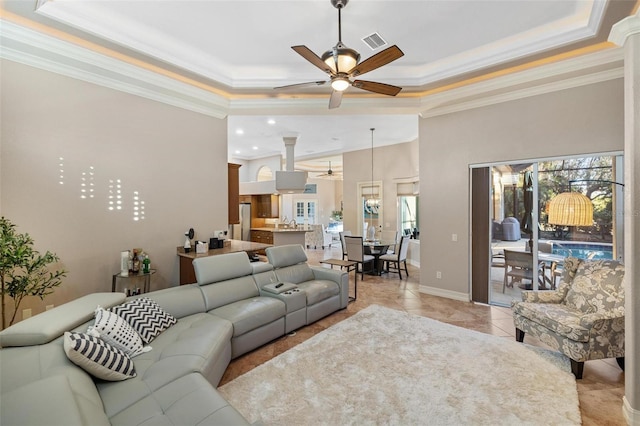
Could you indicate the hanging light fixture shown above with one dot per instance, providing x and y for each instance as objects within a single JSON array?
[
  {"x": 372, "y": 201},
  {"x": 571, "y": 209}
]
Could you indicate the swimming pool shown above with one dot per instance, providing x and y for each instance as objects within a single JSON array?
[{"x": 583, "y": 250}]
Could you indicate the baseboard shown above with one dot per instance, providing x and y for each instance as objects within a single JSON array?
[
  {"x": 631, "y": 415},
  {"x": 463, "y": 297},
  {"x": 413, "y": 262}
]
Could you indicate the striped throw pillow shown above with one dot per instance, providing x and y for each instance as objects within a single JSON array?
[
  {"x": 145, "y": 317},
  {"x": 97, "y": 357},
  {"x": 117, "y": 332}
]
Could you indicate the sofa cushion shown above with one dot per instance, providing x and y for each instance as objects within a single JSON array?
[
  {"x": 213, "y": 269},
  {"x": 97, "y": 357},
  {"x": 51, "y": 324},
  {"x": 116, "y": 331},
  {"x": 229, "y": 291},
  {"x": 319, "y": 290},
  {"x": 199, "y": 343},
  {"x": 596, "y": 287},
  {"x": 31, "y": 367},
  {"x": 286, "y": 255},
  {"x": 188, "y": 400},
  {"x": 295, "y": 273},
  {"x": 145, "y": 317},
  {"x": 249, "y": 314},
  {"x": 47, "y": 401},
  {"x": 555, "y": 317}
]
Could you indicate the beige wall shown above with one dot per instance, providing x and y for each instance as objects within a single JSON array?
[
  {"x": 582, "y": 120},
  {"x": 389, "y": 163},
  {"x": 175, "y": 159}
]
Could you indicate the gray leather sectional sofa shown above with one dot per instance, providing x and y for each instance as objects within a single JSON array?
[{"x": 235, "y": 307}]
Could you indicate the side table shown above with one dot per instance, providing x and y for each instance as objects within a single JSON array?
[
  {"x": 349, "y": 264},
  {"x": 147, "y": 279}
]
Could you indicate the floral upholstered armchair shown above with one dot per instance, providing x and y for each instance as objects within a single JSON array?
[
  {"x": 318, "y": 237},
  {"x": 584, "y": 318}
]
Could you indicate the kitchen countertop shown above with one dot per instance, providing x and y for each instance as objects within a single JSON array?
[{"x": 268, "y": 229}]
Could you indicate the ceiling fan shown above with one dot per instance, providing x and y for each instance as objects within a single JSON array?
[
  {"x": 330, "y": 173},
  {"x": 342, "y": 65}
]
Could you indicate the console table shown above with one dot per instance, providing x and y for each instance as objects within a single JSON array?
[
  {"x": 146, "y": 276},
  {"x": 187, "y": 273}
]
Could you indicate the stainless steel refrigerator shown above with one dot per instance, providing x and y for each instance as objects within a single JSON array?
[{"x": 242, "y": 231}]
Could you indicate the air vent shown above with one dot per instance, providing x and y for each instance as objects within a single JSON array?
[{"x": 374, "y": 41}]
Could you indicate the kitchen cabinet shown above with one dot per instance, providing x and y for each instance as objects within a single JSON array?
[
  {"x": 264, "y": 237},
  {"x": 233, "y": 193},
  {"x": 266, "y": 205}
]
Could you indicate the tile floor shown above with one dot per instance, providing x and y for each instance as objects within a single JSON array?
[{"x": 600, "y": 391}]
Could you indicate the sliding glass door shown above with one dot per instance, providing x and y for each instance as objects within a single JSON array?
[{"x": 528, "y": 240}]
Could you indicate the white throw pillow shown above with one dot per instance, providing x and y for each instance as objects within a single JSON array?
[
  {"x": 146, "y": 317},
  {"x": 117, "y": 332},
  {"x": 97, "y": 357}
]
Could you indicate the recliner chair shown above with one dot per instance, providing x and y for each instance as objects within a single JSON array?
[{"x": 327, "y": 290}]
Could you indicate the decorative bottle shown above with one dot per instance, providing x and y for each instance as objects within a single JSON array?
[
  {"x": 146, "y": 265},
  {"x": 136, "y": 262}
]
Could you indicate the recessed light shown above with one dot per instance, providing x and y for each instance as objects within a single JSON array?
[
  {"x": 255, "y": 147},
  {"x": 239, "y": 132},
  {"x": 271, "y": 121},
  {"x": 237, "y": 151}
]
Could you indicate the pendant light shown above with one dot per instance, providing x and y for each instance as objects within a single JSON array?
[{"x": 372, "y": 201}]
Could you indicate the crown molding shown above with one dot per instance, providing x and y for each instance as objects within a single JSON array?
[
  {"x": 625, "y": 29},
  {"x": 454, "y": 100},
  {"x": 528, "y": 92},
  {"x": 36, "y": 49},
  {"x": 40, "y": 50}
]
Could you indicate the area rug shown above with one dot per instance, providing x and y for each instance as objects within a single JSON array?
[{"x": 383, "y": 366}]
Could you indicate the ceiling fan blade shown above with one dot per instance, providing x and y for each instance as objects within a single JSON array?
[
  {"x": 372, "y": 86},
  {"x": 336, "y": 99},
  {"x": 389, "y": 54},
  {"x": 308, "y": 54},
  {"x": 309, "y": 83}
]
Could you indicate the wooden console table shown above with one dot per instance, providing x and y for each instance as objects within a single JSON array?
[{"x": 188, "y": 275}]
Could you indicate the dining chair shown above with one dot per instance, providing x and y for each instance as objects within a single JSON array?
[
  {"x": 391, "y": 236},
  {"x": 355, "y": 252},
  {"x": 344, "y": 246},
  {"x": 393, "y": 261}
]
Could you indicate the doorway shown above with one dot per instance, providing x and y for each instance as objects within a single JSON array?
[
  {"x": 505, "y": 221},
  {"x": 306, "y": 211}
]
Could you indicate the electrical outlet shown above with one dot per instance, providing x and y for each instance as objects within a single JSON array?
[
  {"x": 454, "y": 237},
  {"x": 438, "y": 275},
  {"x": 26, "y": 313},
  {"x": 48, "y": 307}
]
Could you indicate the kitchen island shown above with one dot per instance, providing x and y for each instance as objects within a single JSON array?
[
  {"x": 188, "y": 275},
  {"x": 279, "y": 236}
]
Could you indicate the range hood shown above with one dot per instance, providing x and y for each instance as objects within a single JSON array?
[{"x": 290, "y": 181}]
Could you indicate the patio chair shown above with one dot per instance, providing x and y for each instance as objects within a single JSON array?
[
  {"x": 393, "y": 261},
  {"x": 584, "y": 318},
  {"x": 518, "y": 265},
  {"x": 355, "y": 252}
]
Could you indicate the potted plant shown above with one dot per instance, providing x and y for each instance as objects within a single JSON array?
[{"x": 23, "y": 270}]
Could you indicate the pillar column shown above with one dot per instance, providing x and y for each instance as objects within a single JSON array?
[{"x": 626, "y": 34}]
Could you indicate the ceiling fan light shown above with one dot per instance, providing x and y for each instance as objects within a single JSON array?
[
  {"x": 347, "y": 59},
  {"x": 340, "y": 84}
]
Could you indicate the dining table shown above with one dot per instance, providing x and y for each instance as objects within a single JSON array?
[{"x": 377, "y": 248}]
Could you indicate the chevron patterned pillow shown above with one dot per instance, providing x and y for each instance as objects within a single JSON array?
[
  {"x": 146, "y": 317},
  {"x": 97, "y": 357}
]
